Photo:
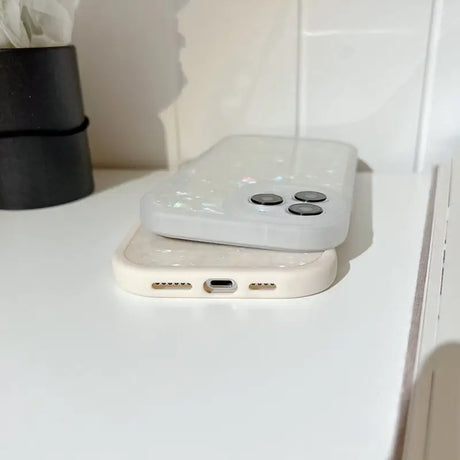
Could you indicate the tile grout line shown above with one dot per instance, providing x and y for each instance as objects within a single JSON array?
[
  {"x": 427, "y": 85},
  {"x": 299, "y": 89}
]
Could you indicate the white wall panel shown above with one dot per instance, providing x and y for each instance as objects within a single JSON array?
[
  {"x": 443, "y": 106},
  {"x": 240, "y": 63},
  {"x": 129, "y": 61},
  {"x": 362, "y": 75},
  {"x": 164, "y": 80}
]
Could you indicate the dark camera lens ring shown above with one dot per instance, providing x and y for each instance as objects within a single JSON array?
[
  {"x": 310, "y": 196},
  {"x": 305, "y": 209},
  {"x": 266, "y": 199}
]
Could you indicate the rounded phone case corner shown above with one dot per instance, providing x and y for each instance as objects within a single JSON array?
[{"x": 245, "y": 191}]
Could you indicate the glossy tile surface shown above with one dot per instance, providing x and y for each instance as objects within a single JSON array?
[
  {"x": 240, "y": 62},
  {"x": 130, "y": 71},
  {"x": 443, "y": 115},
  {"x": 163, "y": 81},
  {"x": 362, "y": 75}
]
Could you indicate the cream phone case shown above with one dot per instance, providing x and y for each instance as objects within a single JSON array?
[
  {"x": 151, "y": 265},
  {"x": 258, "y": 191}
]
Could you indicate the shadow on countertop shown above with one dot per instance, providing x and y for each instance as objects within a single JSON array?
[{"x": 361, "y": 233}]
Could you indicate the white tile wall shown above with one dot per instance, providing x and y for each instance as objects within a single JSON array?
[
  {"x": 363, "y": 69},
  {"x": 129, "y": 60},
  {"x": 240, "y": 63},
  {"x": 360, "y": 73},
  {"x": 356, "y": 71},
  {"x": 443, "y": 88}
]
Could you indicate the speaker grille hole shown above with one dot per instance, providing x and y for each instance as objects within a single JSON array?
[
  {"x": 262, "y": 286},
  {"x": 163, "y": 285}
]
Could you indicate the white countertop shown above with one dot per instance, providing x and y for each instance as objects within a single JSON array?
[{"x": 88, "y": 371}]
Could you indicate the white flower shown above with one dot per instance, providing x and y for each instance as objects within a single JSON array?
[{"x": 26, "y": 23}]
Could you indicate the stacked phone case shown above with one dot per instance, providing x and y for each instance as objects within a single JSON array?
[{"x": 253, "y": 217}]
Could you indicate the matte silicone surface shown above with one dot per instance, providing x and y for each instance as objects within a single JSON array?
[
  {"x": 144, "y": 259},
  {"x": 209, "y": 199}
]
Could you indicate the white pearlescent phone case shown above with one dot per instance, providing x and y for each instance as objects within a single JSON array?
[
  {"x": 151, "y": 265},
  {"x": 216, "y": 197}
]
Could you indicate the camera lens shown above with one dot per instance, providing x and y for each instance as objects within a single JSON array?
[
  {"x": 304, "y": 209},
  {"x": 266, "y": 199},
  {"x": 310, "y": 196}
]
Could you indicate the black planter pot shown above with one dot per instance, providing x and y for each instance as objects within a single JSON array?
[{"x": 44, "y": 153}]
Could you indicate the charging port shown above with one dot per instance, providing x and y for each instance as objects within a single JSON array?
[{"x": 215, "y": 286}]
